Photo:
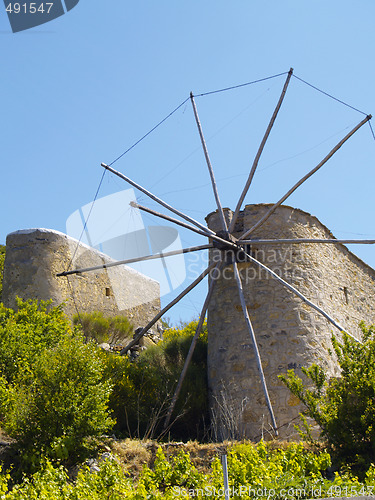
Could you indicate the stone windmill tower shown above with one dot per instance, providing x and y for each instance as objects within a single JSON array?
[
  {"x": 289, "y": 332},
  {"x": 262, "y": 318}
]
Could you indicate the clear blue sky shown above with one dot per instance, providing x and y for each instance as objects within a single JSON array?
[{"x": 81, "y": 89}]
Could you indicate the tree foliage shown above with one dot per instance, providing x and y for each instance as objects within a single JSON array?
[
  {"x": 52, "y": 391},
  {"x": 57, "y": 388},
  {"x": 26, "y": 332},
  {"x": 2, "y": 259},
  {"x": 143, "y": 388},
  {"x": 343, "y": 407}
]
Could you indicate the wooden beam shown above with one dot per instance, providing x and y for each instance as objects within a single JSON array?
[
  {"x": 306, "y": 240},
  {"x": 158, "y": 200},
  {"x": 225, "y": 243},
  {"x": 210, "y": 169},
  {"x": 301, "y": 296},
  {"x": 166, "y": 308},
  {"x": 260, "y": 151},
  {"x": 202, "y": 316},
  {"x": 135, "y": 259},
  {"x": 255, "y": 345},
  {"x": 170, "y": 219},
  {"x": 301, "y": 181}
]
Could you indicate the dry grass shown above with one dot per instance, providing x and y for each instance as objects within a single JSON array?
[
  {"x": 4, "y": 438},
  {"x": 134, "y": 454}
]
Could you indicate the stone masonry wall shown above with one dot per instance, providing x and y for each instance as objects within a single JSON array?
[
  {"x": 289, "y": 333},
  {"x": 35, "y": 256}
]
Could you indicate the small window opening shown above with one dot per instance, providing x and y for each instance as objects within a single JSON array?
[{"x": 107, "y": 292}]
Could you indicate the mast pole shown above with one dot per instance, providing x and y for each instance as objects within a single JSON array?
[
  {"x": 306, "y": 240},
  {"x": 304, "y": 178},
  {"x": 210, "y": 169},
  {"x": 166, "y": 308},
  {"x": 260, "y": 151},
  {"x": 135, "y": 259},
  {"x": 255, "y": 345},
  {"x": 192, "y": 345},
  {"x": 158, "y": 200}
]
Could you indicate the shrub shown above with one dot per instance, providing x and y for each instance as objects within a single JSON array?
[
  {"x": 54, "y": 395},
  {"x": 143, "y": 389},
  {"x": 52, "y": 483},
  {"x": 344, "y": 407},
  {"x": 64, "y": 400},
  {"x": 26, "y": 332},
  {"x": 2, "y": 259},
  {"x": 254, "y": 472},
  {"x": 171, "y": 474},
  {"x": 104, "y": 329}
]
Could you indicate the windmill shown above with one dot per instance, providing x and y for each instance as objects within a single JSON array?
[{"x": 231, "y": 248}]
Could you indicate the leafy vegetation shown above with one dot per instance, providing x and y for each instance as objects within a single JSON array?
[
  {"x": 2, "y": 259},
  {"x": 344, "y": 407},
  {"x": 97, "y": 327},
  {"x": 259, "y": 472},
  {"x": 52, "y": 391},
  {"x": 143, "y": 389},
  {"x": 57, "y": 388},
  {"x": 58, "y": 391},
  {"x": 26, "y": 333}
]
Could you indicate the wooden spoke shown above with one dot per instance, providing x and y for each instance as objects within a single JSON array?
[
  {"x": 219, "y": 265},
  {"x": 158, "y": 200},
  {"x": 214, "y": 237},
  {"x": 170, "y": 219},
  {"x": 306, "y": 240},
  {"x": 135, "y": 259},
  {"x": 166, "y": 308},
  {"x": 307, "y": 176},
  {"x": 210, "y": 169},
  {"x": 301, "y": 296},
  {"x": 260, "y": 150},
  {"x": 255, "y": 345}
]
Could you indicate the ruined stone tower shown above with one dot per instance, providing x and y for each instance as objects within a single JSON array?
[
  {"x": 35, "y": 256},
  {"x": 289, "y": 333}
]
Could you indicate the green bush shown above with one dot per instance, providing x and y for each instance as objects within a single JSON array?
[
  {"x": 344, "y": 407},
  {"x": 64, "y": 400},
  {"x": 104, "y": 329},
  {"x": 52, "y": 483},
  {"x": 291, "y": 472},
  {"x": 52, "y": 392},
  {"x": 170, "y": 475},
  {"x": 2, "y": 259},
  {"x": 143, "y": 388},
  {"x": 26, "y": 332}
]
